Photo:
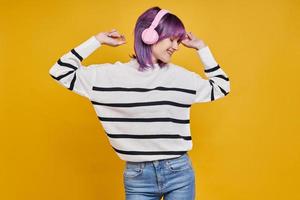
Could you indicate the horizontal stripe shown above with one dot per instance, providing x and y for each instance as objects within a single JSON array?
[
  {"x": 76, "y": 54},
  {"x": 157, "y": 136},
  {"x": 222, "y": 77},
  {"x": 212, "y": 69},
  {"x": 54, "y": 77},
  {"x": 223, "y": 91},
  {"x": 153, "y": 103},
  {"x": 212, "y": 96},
  {"x": 166, "y": 119},
  {"x": 212, "y": 90},
  {"x": 142, "y": 89},
  {"x": 66, "y": 64},
  {"x": 150, "y": 152},
  {"x": 61, "y": 76},
  {"x": 72, "y": 82}
]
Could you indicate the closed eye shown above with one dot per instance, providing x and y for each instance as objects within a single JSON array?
[{"x": 178, "y": 41}]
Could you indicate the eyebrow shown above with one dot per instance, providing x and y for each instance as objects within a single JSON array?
[{"x": 172, "y": 37}]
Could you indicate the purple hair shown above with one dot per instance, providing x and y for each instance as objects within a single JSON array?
[{"x": 169, "y": 26}]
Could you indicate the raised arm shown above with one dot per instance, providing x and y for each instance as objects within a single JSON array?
[
  {"x": 217, "y": 85},
  {"x": 70, "y": 73}
]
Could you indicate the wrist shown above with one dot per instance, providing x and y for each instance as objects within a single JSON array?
[
  {"x": 200, "y": 44},
  {"x": 98, "y": 39},
  {"x": 200, "y": 47}
]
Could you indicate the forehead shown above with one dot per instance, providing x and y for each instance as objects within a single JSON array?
[{"x": 174, "y": 37}]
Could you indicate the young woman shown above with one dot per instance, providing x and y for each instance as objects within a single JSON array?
[{"x": 144, "y": 104}]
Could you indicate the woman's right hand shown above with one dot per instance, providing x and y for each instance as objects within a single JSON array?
[{"x": 112, "y": 38}]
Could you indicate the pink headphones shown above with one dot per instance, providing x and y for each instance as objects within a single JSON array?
[{"x": 149, "y": 35}]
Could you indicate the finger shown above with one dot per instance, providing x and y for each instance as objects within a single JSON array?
[
  {"x": 190, "y": 35},
  {"x": 114, "y": 34},
  {"x": 112, "y": 31},
  {"x": 122, "y": 37},
  {"x": 121, "y": 42}
]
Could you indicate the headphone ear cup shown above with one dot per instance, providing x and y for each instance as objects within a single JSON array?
[{"x": 149, "y": 36}]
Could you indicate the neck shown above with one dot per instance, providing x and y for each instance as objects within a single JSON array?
[{"x": 154, "y": 60}]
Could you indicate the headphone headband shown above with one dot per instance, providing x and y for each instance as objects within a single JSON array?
[
  {"x": 150, "y": 35},
  {"x": 158, "y": 17}
]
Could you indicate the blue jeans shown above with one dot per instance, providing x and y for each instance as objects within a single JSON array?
[{"x": 172, "y": 179}]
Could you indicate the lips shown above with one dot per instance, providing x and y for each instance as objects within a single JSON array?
[{"x": 170, "y": 53}]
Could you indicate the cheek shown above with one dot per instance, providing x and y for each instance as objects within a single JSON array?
[
  {"x": 165, "y": 45},
  {"x": 161, "y": 49}
]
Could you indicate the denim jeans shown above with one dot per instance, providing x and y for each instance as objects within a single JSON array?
[{"x": 172, "y": 179}]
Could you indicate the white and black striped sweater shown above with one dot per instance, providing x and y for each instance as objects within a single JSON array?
[{"x": 145, "y": 114}]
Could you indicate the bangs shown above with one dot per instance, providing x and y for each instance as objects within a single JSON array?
[{"x": 172, "y": 27}]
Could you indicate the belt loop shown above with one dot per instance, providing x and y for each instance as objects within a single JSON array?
[{"x": 142, "y": 165}]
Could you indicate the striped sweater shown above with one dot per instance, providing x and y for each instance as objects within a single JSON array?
[{"x": 145, "y": 115}]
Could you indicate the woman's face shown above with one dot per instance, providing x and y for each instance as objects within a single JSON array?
[{"x": 164, "y": 49}]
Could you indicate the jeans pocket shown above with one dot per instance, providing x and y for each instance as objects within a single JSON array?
[
  {"x": 132, "y": 170},
  {"x": 179, "y": 164}
]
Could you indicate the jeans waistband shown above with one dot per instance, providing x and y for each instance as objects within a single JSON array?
[{"x": 143, "y": 163}]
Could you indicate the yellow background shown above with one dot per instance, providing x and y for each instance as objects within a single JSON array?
[{"x": 245, "y": 146}]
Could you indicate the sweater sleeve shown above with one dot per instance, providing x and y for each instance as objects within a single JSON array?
[
  {"x": 217, "y": 85},
  {"x": 69, "y": 72}
]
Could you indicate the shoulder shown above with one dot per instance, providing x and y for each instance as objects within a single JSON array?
[
  {"x": 180, "y": 69},
  {"x": 104, "y": 66}
]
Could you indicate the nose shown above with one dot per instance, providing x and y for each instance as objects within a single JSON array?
[{"x": 175, "y": 46}]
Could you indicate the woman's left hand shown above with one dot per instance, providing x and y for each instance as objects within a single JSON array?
[{"x": 192, "y": 42}]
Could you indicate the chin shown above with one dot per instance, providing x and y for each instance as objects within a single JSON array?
[{"x": 166, "y": 60}]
